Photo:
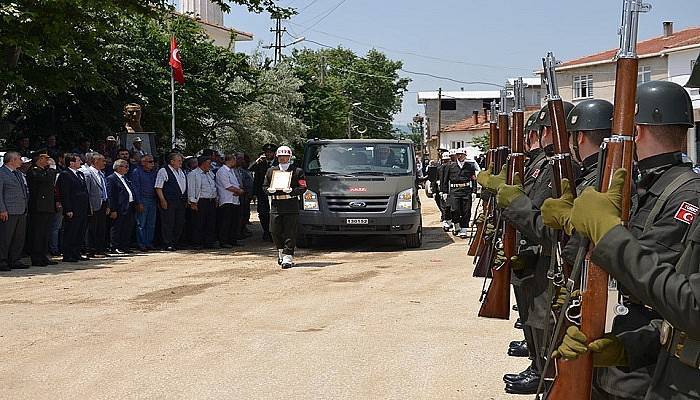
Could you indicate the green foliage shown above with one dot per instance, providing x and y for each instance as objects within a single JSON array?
[
  {"x": 335, "y": 80},
  {"x": 482, "y": 142}
]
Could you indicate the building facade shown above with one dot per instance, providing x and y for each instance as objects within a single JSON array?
[{"x": 211, "y": 18}]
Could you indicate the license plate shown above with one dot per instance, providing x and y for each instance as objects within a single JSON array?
[{"x": 357, "y": 221}]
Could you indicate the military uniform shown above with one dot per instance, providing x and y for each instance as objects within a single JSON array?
[
  {"x": 284, "y": 212},
  {"x": 458, "y": 178},
  {"x": 675, "y": 294},
  {"x": 42, "y": 208}
]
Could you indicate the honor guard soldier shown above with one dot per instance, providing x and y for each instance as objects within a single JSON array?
[
  {"x": 459, "y": 176},
  {"x": 285, "y": 196},
  {"x": 441, "y": 192},
  {"x": 667, "y": 192},
  {"x": 259, "y": 169}
]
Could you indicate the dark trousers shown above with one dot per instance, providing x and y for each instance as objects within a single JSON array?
[
  {"x": 264, "y": 210},
  {"x": 462, "y": 209},
  {"x": 40, "y": 227},
  {"x": 12, "y": 236},
  {"x": 229, "y": 217},
  {"x": 284, "y": 231},
  {"x": 203, "y": 228},
  {"x": 172, "y": 222},
  {"x": 73, "y": 235},
  {"x": 441, "y": 206},
  {"x": 97, "y": 228},
  {"x": 122, "y": 228}
]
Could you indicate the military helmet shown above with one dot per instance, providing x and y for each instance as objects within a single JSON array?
[
  {"x": 461, "y": 150},
  {"x": 531, "y": 123},
  {"x": 445, "y": 156},
  {"x": 590, "y": 115},
  {"x": 663, "y": 103},
  {"x": 543, "y": 118},
  {"x": 284, "y": 151}
]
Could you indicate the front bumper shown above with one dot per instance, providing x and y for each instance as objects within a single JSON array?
[{"x": 395, "y": 223}]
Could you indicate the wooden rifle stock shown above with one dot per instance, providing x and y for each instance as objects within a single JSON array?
[
  {"x": 575, "y": 378},
  {"x": 478, "y": 242},
  {"x": 497, "y": 300}
]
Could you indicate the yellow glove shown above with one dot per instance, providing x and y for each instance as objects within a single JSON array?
[
  {"x": 556, "y": 213},
  {"x": 495, "y": 181},
  {"x": 594, "y": 214},
  {"x": 482, "y": 178},
  {"x": 561, "y": 298},
  {"x": 499, "y": 258},
  {"x": 517, "y": 263},
  {"x": 608, "y": 351},
  {"x": 507, "y": 193}
]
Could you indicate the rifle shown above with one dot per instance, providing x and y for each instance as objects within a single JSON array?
[
  {"x": 497, "y": 301},
  {"x": 476, "y": 246},
  {"x": 619, "y": 154}
]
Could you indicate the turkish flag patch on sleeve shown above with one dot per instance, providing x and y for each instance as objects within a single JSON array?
[
  {"x": 686, "y": 213},
  {"x": 302, "y": 183}
]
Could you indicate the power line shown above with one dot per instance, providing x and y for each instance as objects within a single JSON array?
[
  {"x": 307, "y": 6},
  {"x": 340, "y": 3}
]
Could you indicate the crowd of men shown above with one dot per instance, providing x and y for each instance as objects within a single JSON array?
[
  {"x": 115, "y": 201},
  {"x": 653, "y": 348}
]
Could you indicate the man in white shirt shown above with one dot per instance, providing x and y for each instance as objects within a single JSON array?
[
  {"x": 228, "y": 188},
  {"x": 121, "y": 204},
  {"x": 201, "y": 193},
  {"x": 171, "y": 189}
]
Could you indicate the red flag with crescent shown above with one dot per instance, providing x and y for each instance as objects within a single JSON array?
[{"x": 176, "y": 63}]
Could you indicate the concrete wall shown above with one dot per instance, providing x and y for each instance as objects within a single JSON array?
[
  {"x": 466, "y": 136},
  {"x": 464, "y": 110}
]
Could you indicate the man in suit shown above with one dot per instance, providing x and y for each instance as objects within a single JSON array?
[
  {"x": 42, "y": 207},
  {"x": 99, "y": 209},
  {"x": 121, "y": 204},
  {"x": 75, "y": 202},
  {"x": 13, "y": 212}
]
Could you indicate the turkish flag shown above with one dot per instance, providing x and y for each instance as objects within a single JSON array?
[{"x": 175, "y": 63}]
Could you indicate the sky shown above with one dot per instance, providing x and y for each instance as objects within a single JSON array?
[{"x": 466, "y": 40}]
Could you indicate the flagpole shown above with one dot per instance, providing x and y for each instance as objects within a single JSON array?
[{"x": 172, "y": 104}]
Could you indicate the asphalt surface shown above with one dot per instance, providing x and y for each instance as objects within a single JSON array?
[{"x": 357, "y": 318}]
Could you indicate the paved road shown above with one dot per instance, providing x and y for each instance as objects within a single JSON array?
[{"x": 346, "y": 323}]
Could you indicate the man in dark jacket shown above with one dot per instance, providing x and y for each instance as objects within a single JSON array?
[
  {"x": 76, "y": 207},
  {"x": 122, "y": 202},
  {"x": 42, "y": 206},
  {"x": 259, "y": 169}
]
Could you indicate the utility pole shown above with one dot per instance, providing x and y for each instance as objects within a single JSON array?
[
  {"x": 439, "y": 127},
  {"x": 278, "y": 46}
]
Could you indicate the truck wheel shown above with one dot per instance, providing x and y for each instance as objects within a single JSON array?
[
  {"x": 304, "y": 241},
  {"x": 415, "y": 240}
]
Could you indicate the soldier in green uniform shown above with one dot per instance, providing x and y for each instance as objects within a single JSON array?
[
  {"x": 667, "y": 198},
  {"x": 672, "y": 342},
  {"x": 284, "y": 213}
]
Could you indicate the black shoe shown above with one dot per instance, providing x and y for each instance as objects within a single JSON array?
[
  {"x": 510, "y": 378},
  {"x": 516, "y": 343},
  {"x": 83, "y": 258},
  {"x": 118, "y": 251},
  {"x": 518, "y": 324},
  {"x": 51, "y": 262},
  {"x": 19, "y": 265},
  {"x": 527, "y": 385},
  {"x": 520, "y": 351},
  {"x": 236, "y": 244},
  {"x": 170, "y": 248},
  {"x": 39, "y": 263}
]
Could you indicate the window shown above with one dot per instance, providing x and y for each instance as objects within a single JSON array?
[
  {"x": 583, "y": 86},
  {"x": 644, "y": 74},
  {"x": 448, "y": 105},
  {"x": 457, "y": 144}
]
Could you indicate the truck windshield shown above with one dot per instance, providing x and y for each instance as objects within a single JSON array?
[{"x": 359, "y": 159}]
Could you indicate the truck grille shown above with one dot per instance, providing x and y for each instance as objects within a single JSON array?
[{"x": 372, "y": 204}]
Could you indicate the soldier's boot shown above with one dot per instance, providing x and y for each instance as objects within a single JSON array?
[
  {"x": 446, "y": 225},
  {"x": 279, "y": 257},
  {"x": 455, "y": 228},
  {"x": 463, "y": 233},
  {"x": 287, "y": 261}
]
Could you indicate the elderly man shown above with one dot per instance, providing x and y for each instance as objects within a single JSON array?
[
  {"x": 13, "y": 212},
  {"x": 76, "y": 207},
  {"x": 143, "y": 180},
  {"x": 122, "y": 203},
  {"x": 99, "y": 209},
  {"x": 171, "y": 189},
  {"x": 201, "y": 193},
  {"x": 137, "y": 147},
  {"x": 229, "y": 190},
  {"x": 40, "y": 182}
]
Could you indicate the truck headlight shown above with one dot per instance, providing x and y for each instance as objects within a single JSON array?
[
  {"x": 310, "y": 201},
  {"x": 405, "y": 200}
]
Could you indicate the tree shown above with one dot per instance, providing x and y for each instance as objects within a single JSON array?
[
  {"x": 482, "y": 142},
  {"x": 345, "y": 94}
]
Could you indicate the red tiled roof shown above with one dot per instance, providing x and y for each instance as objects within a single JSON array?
[
  {"x": 685, "y": 37},
  {"x": 467, "y": 124}
]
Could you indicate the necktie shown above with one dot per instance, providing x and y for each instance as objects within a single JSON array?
[
  {"x": 18, "y": 175},
  {"x": 104, "y": 186}
]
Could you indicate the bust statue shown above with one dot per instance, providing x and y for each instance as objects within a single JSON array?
[{"x": 132, "y": 116}]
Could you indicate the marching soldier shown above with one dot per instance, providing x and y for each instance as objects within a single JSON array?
[
  {"x": 284, "y": 213},
  {"x": 441, "y": 193},
  {"x": 667, "y": 201},
  {"x": 458, "y": 178}
]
